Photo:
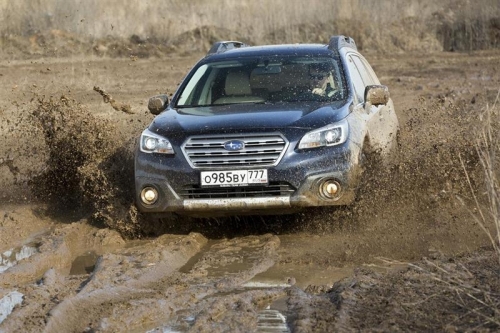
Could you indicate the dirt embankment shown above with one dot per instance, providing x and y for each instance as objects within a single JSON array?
[{"x": 440, "y": 32}]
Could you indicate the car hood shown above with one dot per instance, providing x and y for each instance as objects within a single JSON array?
[{"x": 245, "y": 117}]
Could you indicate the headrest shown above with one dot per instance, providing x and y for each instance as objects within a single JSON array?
[{"x": 237, "y": 83}]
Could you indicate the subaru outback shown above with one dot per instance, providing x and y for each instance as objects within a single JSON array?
[{"x": 264, "y": 129}]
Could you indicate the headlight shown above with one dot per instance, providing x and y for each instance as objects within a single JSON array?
[
  {"x": 153, "y": 143},
  {"x": 330, "y": 135}
]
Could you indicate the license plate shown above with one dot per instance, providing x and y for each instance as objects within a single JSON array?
[{"x": 234, "y": 178}]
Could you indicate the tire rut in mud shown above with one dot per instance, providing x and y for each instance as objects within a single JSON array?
[{"x": 171, "y": 281}]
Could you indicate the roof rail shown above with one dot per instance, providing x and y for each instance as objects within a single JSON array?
[
  {"x": 219, "y": 47},
  {"x": 340, "y": 41}
]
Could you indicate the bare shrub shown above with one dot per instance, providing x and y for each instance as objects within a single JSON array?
[{"x": 487, "y": 211}]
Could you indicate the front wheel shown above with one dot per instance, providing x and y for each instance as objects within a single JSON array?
[
  {"x": 155, "y": 225},
  {"x": 370, "y": 166}
]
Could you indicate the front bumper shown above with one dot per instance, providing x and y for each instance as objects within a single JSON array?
[{"x": 297, "y": 180}]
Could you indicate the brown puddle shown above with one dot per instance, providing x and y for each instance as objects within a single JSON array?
[
  {"x": 282, "y": 275},
  {"x": 84, "y": 264}
]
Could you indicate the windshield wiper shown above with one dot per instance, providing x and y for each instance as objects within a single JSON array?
[{"x": 191, "y": 106}]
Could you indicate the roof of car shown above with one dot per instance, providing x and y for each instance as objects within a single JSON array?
[{"x": 272, "y": 50}]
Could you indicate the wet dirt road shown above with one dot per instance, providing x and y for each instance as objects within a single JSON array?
[{"x": 58, "y": 273}]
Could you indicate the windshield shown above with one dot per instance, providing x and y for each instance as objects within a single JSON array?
[{"x": 271, "y": 80}]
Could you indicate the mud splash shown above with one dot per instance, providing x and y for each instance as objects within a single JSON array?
[
  {"x": 428, "y": 166},
  {"x": 426, "y": 175},
  {"x": 87, "y": 171}
]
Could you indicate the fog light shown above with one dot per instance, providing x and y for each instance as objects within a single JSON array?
[
  {"x": 149, "y": 195},
  {"x": 330, "y": 189}
]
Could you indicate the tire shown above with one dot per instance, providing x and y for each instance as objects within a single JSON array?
[{"x": 154, "y": 225}]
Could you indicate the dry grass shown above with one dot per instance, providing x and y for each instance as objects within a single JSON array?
[
  {"x": 487, "y": 214},
  {"x": 156, "y": 28},
  {"x": 165, "y": 19},
  {"x": 463, "y": 290}
]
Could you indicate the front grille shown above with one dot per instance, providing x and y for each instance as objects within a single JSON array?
[
  {"x": 271, "y": 190},
  {"x": 260, "y": 150}
]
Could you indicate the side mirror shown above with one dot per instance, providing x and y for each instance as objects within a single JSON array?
[
  {"x": 157, "y": 104},
  {"x": 377, "y": 95}
]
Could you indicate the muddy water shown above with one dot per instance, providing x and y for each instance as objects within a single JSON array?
[
  {"x": 169, "y": 283},
  {"x": 84, "y": 264},
  {"x": 157, "y": 280}
]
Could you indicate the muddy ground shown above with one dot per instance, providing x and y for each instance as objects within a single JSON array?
[{"x": 76, "y": 257}]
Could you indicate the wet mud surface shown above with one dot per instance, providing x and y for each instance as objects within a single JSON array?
[{"x": 75, "y": 256}]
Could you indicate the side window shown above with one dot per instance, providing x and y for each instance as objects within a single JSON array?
[
  {"x": 357, "y": 81},
  {"x": 371, "y": 71},
  {"x": 366, "y": 71}
]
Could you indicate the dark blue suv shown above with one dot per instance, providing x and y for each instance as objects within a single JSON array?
[{"x": 264, "y": 129}]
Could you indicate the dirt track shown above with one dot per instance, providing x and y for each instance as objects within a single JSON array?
[{"x": 64, "y": 274}]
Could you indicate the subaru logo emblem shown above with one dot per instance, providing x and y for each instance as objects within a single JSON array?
[{"x": 234, "y": 145}]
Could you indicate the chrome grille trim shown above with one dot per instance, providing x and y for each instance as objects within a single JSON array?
[{"x": 261, "y": 150}]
